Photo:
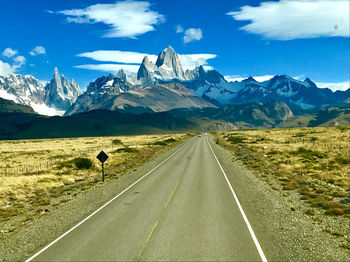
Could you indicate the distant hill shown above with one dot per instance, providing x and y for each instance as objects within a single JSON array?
[
  {"x": 99, "y": 123},
  {"x": 8, "y": 106},
  {"x": 332, "y": 116},
  {"x": 251, "y": 115}
]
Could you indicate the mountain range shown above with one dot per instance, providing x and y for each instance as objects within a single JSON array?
[
  {"x": 165, "y": 86},
  {"x": 190, "y": 97}
]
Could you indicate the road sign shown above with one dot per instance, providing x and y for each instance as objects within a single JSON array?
[{"x": 102, "y": 156}]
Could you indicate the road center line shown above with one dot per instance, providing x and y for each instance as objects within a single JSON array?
[
  {"x": 256, "y": 242},
  {"x": 172, "y": 193},
  {"x": 106, "y": 204},
  {"x": 148, "y": 238}
]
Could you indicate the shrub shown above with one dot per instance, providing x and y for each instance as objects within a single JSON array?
[
  {"x": 308, "y": 154},
  {"x": 335, "y": 211},
  {"x": 342, "y": 160},
  {"x": 82, "y": 163},
  {"x": 289, "y": 186},
  {"x": 310, "y": 212},
  {"x": 116, "y": 141},
  {"x": 126, "y": 150},
  {"x": 235, "y": 139},
  {"x": 170, "y": 140},
  {"x": 160, "y": 143}
]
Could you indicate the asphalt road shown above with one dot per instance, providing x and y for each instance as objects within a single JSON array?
[{"x": 183, "y": 210}]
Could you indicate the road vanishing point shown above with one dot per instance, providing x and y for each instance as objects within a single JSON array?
[{"x": 184, "y": 209}]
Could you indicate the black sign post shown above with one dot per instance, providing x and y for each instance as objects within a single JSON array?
[{"x": 102, "y": 156}]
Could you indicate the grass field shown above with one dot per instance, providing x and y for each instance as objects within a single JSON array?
[
  {"x": 38, "y": 175},
  {"x": 315, "y": 162},
  {"x": 310, "y": 166}
]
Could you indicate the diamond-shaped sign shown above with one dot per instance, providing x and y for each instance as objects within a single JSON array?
[{"x": 102, "y": 156}]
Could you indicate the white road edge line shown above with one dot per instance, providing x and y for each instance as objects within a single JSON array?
[
  {"x": 256, "y": 242},
  {"x": 106, "y": 204}
]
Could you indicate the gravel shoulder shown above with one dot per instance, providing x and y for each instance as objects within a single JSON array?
[
  {"x": 284, "y": 234},
  {"x": 36, "y": 234}
]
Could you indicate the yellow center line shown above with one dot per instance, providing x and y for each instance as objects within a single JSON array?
[
  {"x": 148, "y": 238},
  {"x": 172, "y": 193},
  {"x": 156, "y": 223}
]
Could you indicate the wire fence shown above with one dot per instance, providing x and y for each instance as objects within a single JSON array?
[{"x": 44, "y": 165}]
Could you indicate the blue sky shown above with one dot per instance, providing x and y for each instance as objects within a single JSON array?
[{"x": 300, "y": 38}]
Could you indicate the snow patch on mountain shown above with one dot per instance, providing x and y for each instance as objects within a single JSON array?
[
  {"x": 43, "y": 109},
  {"x": 5, "y": 95}
]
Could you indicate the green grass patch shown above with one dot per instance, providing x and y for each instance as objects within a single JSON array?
[
  {"x": 235, "y": 139},
  {"x": 82, "y": 163},
  {"x": 308, "y": 153},
  {"x": 160, "y": 143},
  {"x": 126, "y": 150},
  {"x": 116, "y": 142}
]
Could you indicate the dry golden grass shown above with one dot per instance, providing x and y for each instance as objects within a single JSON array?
[
  {"x": 313, "y": 161},
  {"x": 37, "y": 174}
]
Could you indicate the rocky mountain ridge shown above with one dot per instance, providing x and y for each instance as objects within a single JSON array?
[
  {"x": 162, "y": 86},
  {"x": 52, "y": 98},
  {"x": 213, "y": 87}
]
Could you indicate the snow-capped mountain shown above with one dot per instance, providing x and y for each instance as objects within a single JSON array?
[
  {"x": 166, "y": 68},
  {"x": 297, "y": 94},
  {"x": 61, "y": 93},
  {"x": 53, "y": 98},
  {"x": 115, "y": 93},
  {"x": 164, "y": 85},
  {"x": 213, "y": 87}
]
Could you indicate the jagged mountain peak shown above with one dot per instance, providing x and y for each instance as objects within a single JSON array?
[
  {"x": 167, "y": 53},
  {"x": 60, "y": 93},
  {"x": 309, "y": 82},
  {"x": 168, "y": 64},
  {"x": 249, "y": 79}
]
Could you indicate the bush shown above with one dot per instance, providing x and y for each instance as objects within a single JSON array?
[
  {"x": 82, "y": 163},
  {"x": 170, "y": 140},
  {"x": 310, "y": 212},
  {"x": 126, "y": 150},
  {"x": 116, "y": 142},
  {"x": 299, "y": 135},
  {"x": 235, "y": 139},
  {"x": 335, "y": 211},
  {"x": 160, "y": 143},
  {"x": 308, "y": 154},
  {"x": 342, "y": 160}
]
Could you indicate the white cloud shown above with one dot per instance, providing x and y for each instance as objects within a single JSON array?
[
  {"x": 38, "y": 50},
  {"x": 193, "y": 60},
  {"x": 296, "y": 19},
  {"x": 179, "y": 29},
  {"x": 334, "y": 86},
  {"x": 5, "y": 68},
  {"x": 113, "y": 68},
  {"x": 192, "y": 34},
  {"x": 233, "y": 78},
  {"x": 118, "y": 56},
  {"x": 124, "y": 18},
  {"x": 19, "y": 61},
  {"x": 9, "y": 52},
  {"x": 132, "y": 60}
]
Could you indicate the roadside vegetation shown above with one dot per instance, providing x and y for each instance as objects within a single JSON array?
[
  {"x": 314, "y": 163},
  {"x": 37, "y": 176}
]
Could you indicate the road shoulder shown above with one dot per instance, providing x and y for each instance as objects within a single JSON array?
[
  {"x": 37, "y": 233},
  {"x": 284, "y": 235}
]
